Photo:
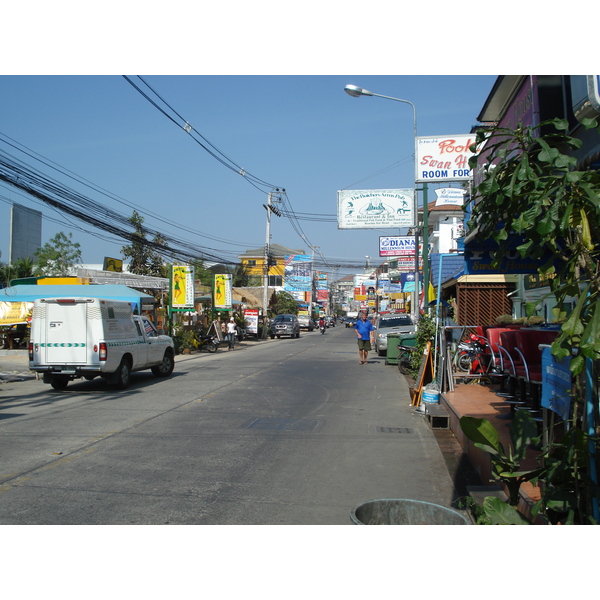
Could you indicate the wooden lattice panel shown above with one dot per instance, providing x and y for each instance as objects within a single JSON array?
[{"x": 482, "y": 303}]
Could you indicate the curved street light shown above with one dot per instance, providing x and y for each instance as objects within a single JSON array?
[{"x": 356, "y": 92}]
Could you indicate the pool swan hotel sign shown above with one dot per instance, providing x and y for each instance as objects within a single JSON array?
[{"x": 443, "y": 158}]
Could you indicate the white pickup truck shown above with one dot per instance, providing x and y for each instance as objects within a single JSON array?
[{"x": 91, "y": 337}]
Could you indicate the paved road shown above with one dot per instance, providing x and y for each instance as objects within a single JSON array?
[{"x": 276, "y": 432}]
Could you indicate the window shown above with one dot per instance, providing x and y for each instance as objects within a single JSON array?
[
  {"x": 275, "y": 280},
  {"x": 251, "y": 263}
]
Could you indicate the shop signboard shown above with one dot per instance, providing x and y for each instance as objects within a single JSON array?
[
  {"x": 397, "y": 245},
  {"x": 444, "y": 158},
  {"x": 376, "y": 209},
  {"x": 449, "y": 196},
  {"x": 251, "y": 317}
]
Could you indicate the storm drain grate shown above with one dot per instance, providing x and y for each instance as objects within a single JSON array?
[
  {"x": 276, "y": 424},
  {"x": 395, "y": 430}
]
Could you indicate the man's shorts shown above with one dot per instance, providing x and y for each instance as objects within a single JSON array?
[{"x": 364, "y": 345}]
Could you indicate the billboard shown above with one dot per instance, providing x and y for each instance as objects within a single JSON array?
[
  {"x": 297, "y": 273},
  {"x": 112, "y": 264},
  {"x": 376, "y": 209},
  {"x": 444, "y": 158},
  {"x": 25, "y": 232},
  {"x": 223, "y": 291},
  {"x": 182, "y": 286}
]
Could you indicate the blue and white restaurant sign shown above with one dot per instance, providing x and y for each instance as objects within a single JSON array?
[{"x": 376, "y": 209}]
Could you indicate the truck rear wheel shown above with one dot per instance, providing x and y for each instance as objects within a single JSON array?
[
  {"x": 122, "y": 375},
  {"x": 59, "y": 383},
  {"x": 166, "y": 366}
]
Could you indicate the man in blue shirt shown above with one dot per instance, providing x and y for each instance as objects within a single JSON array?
[{"x": 364, "y": 332}]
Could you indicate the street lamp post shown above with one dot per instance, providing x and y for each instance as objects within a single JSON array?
[{"x": 356, "y": 92}]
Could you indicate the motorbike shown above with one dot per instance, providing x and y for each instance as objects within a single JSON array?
[
  {"x": 322, "y": 328},
  {"x": 208, "y": 342}
]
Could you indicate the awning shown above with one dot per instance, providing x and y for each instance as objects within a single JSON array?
[{"x": 30, "y": 293}]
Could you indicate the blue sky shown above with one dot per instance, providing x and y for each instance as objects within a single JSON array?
[{"x": 298, "y": 132}]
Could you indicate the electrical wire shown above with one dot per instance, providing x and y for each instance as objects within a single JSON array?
[{"x": 184, "y": 124}]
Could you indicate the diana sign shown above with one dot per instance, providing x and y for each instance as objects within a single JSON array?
[
  {"x": 444, "y": 158},
  {"x": 397, "y": 246},
  {"x": 376, "y": 209}
]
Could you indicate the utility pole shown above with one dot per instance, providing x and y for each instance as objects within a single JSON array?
[
  {"x": 267, "y": 259},
  {"x": 312, "y": 280}
]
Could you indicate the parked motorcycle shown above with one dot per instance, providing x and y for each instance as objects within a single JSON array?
[{"x": 208, "y": 342}]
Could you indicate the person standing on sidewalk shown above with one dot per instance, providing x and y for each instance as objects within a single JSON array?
[
  {"x": 364, "y": 332},
  {"x": 231, "y": 333}
]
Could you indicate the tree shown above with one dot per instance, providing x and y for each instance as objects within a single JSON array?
[
  {"x": 21, "y": 268},
  {"x": 284, "y": 303},
  {"x": 144, "y": 259},
  {"x": 532, "y": 189},
  {"x": 58, "y": 257}
]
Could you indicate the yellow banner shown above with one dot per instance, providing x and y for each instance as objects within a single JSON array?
[
  {"x": 13, "y": 313},
  {"x": 182, "y": 287}
]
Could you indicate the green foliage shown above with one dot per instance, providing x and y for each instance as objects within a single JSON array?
[
  {"x": 144, "y": 255},
  {"x": 284, "y": 303},
  {"x": 425, "y": 333},
  {"x": 532, "y": 189},
  {"x": 58, "y": 257},
  {"x": 21, "y": 268},
  {"x": 506, "y": 464},
  {"x": 567, "y": 489}
]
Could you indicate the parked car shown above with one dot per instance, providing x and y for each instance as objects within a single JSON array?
[
  {"x": 391, "y": 323},
  {"x": 285, "y": 325},
  {"x": 306, "y": 322}
]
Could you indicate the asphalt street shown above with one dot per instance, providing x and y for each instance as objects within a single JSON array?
[{"x": 277, "y": 432}]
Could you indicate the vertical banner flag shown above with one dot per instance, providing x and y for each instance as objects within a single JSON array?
[
  {"x": 223, "y": 291},
  {"x": 182, "y": 286}
]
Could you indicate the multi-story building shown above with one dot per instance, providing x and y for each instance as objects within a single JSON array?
[{"x": 254, "y": 263}]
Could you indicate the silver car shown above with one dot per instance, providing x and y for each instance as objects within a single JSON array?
[
  {"x": 391, "y": 323},
  {"x": 285, "y": 325},
  {"x": 306, "y": 322}
]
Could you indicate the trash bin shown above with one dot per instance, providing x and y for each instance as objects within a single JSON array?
[
  {"x": 395, "y": 341},
  {"x": 405, "y": 512}
]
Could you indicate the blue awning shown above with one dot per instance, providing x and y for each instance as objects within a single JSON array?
[{"x": 30, "y": 293}]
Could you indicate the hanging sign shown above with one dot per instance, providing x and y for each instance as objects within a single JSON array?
[{"x": 452, "y": 196}]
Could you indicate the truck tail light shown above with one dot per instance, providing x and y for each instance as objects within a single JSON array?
[
  {"x": 30, "y": 350},
  {"x": 103, "y": 351}
]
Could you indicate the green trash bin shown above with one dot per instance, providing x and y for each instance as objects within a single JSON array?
[{"x": 395, "y": 342}]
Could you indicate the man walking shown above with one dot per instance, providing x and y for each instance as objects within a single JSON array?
[{"x": 364, "y": 332}]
